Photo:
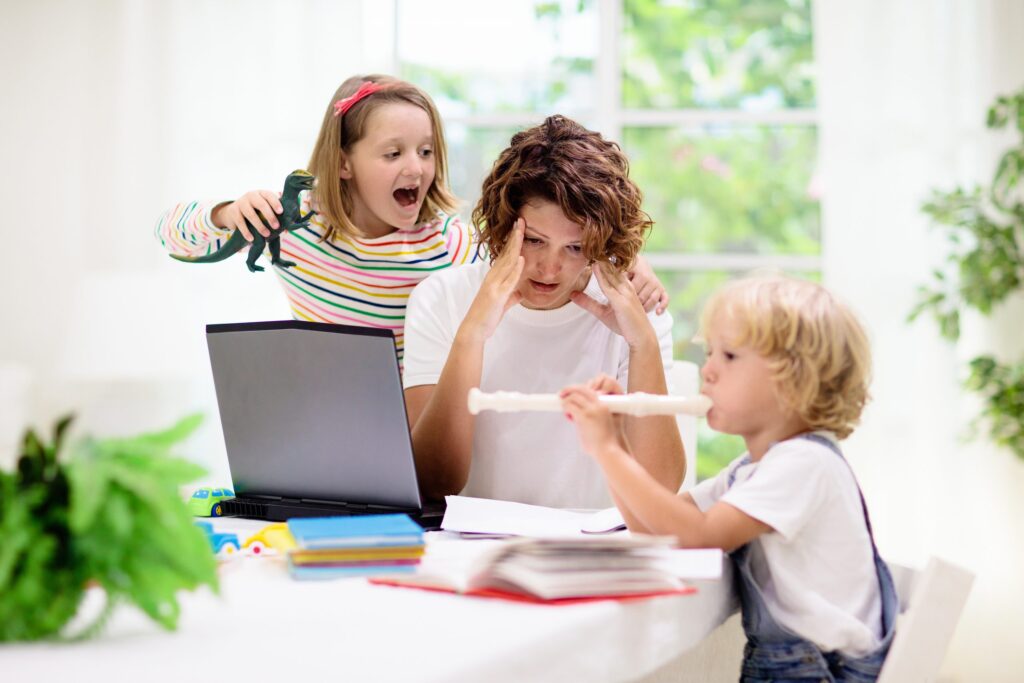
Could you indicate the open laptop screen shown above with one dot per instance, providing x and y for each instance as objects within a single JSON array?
[{"x": 313, "y": 411}]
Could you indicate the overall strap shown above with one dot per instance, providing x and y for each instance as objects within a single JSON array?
[
  {"x": 890, "y": 602},
  {"x": 732, "y": 474},
  {"x": 828, "y": 443}
]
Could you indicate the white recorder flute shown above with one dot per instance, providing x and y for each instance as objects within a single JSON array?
[{"x": 638, "y": 404}]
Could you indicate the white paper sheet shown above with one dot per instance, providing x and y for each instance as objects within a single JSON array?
[
  {"x": 483, "y": 516},
  {"x": 696, "y": 563}
]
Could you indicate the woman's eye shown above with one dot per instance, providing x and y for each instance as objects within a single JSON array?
[
  {"x": 576, "y": 248},
  {"x": 531, "y": 240}
]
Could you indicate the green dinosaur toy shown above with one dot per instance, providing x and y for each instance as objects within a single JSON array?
[{"x": 289, "y": 219}]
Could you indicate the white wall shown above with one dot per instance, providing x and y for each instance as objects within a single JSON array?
[
  {"x": 113, "y": 111},
  {"x": 903, "y": 92}
]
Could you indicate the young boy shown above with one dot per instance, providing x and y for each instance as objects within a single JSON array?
[{"x": 787, "y": 369}]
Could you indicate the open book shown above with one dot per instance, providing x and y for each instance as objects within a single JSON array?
[
  {"x": 561, "y": 571},
  {"x": 481, "y": 516}
]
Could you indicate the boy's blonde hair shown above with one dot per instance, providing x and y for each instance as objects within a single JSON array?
[
  {"x": 816, "y": 348},
  {"x": 332, "y": 196}
]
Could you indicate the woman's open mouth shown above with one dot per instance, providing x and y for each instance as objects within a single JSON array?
[{"x": 543, "y": 287}]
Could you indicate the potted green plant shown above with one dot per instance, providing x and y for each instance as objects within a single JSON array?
[
  {"x": 105, "y": 513},
  {"x": 983, "y": 269}
]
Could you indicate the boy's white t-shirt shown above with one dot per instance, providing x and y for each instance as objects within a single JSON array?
[
  {"x": 528, "y": 457},
  {"x": 816, "y": 569}
]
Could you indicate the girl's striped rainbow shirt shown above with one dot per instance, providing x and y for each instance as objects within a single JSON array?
[{"x": 346, "y": 280}]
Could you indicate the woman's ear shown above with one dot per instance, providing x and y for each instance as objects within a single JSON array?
[{"x": 345, "y": 172}]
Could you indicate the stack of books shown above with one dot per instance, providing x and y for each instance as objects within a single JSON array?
[
  {"x": 562, "y": 571},
  {"x": 365, "y": 545}
]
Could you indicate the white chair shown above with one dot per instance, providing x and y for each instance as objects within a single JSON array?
[
  {"x": 683, "y": 381},
  {"x": 930, "y": 605}
]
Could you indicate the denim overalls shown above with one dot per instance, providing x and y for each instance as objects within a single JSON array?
[{"x": 774, "y": 653}]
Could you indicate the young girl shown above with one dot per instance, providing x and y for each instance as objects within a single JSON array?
[
  {"x": 787, "y": 369},
  {"x": 385, "y": 224}
]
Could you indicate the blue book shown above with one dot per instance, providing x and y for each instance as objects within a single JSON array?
[
  {"x": 323, "y": 573},
  {"x": 355, "y": 531}
]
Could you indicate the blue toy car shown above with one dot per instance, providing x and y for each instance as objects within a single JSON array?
[{"x": 221, "y": 543}]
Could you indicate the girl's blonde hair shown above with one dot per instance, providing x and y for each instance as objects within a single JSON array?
[
  {"x": 587, "y": 176},
  {"x": 817, "y": 350},
  {"x": 332, "y": 196}
]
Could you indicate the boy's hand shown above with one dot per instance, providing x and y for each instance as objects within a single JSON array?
[
  {"x": 605, "y": 384},
  {"x": 597, "y": 428},
  {"x": 623, "y": 313},
  {"x": 498, "y": 292},
  {"x": 652, "y": 294},
  {"x": 251, "y": 206}
]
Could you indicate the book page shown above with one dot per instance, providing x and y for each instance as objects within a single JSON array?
[
  {"x": 694, "y": 563},
  {"x": 483, "y": 516}
]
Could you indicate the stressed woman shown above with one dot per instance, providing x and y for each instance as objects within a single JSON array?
[{"x": 563, "y": 225}]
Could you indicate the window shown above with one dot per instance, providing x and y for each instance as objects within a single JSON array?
[{"x": 713, "y": 101}]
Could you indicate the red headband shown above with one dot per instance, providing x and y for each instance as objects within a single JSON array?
[{"x": 366, "y": 89}]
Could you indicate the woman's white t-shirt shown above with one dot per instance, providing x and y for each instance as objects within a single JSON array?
[
  {"x": 816, "y": 569},
  {"x": 528, "y": 457}
]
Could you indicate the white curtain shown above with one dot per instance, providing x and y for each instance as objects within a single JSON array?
[
  {"x": 114, "y": 111},
  {"x": 903, "y": 91}
]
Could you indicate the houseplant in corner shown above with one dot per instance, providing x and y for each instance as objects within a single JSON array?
[
  {"x": 983, "y": 270},
  {"x": 100, "y": 512}
]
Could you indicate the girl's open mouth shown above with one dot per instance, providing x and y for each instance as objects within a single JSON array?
[{"x": 406, "y": 196}]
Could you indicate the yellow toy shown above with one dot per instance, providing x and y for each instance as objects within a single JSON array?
[{"x": 272, "y": 539}]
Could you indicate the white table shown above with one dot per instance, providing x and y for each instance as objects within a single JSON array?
[{"x": 264, "y": 625}]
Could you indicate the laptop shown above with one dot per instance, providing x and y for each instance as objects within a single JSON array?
[{"x": 314, "y": 421}]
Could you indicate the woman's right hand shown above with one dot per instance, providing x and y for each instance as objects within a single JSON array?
[
  {"x": 498, "y": 292},
  {"x": 250, "y": 206}
]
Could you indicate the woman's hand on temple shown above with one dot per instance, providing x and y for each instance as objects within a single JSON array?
[
  {"x": 623, "y": 314},
  {"x": 250, "y": 206},
  {"x": 498, "y": 292}
]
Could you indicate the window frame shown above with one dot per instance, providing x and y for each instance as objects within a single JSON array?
[{"x": 611, "y": 119}]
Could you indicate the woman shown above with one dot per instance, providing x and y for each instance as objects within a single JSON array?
[{"x": 563, "y": 224}]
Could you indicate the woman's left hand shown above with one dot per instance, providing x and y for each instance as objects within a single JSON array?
[
  {"x": 623, "y": 313},
  {"x": 652, "y": 293}
]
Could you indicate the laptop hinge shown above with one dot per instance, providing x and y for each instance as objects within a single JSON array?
[{"x": 330, "y": 503}]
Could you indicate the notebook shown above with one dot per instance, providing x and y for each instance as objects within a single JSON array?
[
  {"x": 314, "y": 421},
  {"x": 351, "y": 532},
  {"x": 365, "y": 545}
]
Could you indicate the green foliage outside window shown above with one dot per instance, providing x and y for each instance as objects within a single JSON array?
[
  {"x": 717, "y": 53},
  {"x": 736, "y": 188},
  {"x": 728, "y": 189}
]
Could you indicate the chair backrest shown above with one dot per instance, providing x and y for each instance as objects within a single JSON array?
[
  {"x": 683, "y": 381},
  {"x": 930, "y": 605}
]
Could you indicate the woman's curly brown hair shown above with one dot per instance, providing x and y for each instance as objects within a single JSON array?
[{"x": 562, "y": 162}]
